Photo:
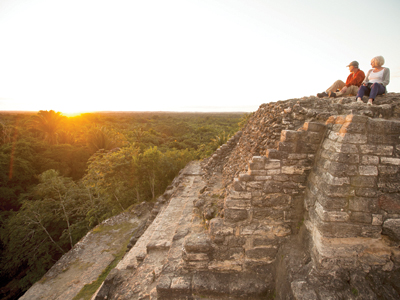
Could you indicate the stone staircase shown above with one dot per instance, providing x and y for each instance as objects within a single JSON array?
[{"x": 159, "y": 249}]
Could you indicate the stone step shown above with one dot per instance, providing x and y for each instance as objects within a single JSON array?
[
  {"x": 162, "y": 236},
  {"x": 159, "y": 248},
  {"x": 159, "y": 234},
  {"x": 138, "y": 252},
  {"x": 208, "y": 285}
]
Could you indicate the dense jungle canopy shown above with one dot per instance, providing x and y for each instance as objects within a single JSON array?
[{"x": 61, "y": 176}]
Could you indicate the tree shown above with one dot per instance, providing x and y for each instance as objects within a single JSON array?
[
  {"x": 104, "y": 138},
  {"x": 220, "y": 139},
  {"x": 111, "y": 182},
  {"x": 49, "y": 123},
  {"x": 50, "y": 221}
]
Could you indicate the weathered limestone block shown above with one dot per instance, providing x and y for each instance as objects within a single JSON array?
[
  {"x": 195, "y": 256},
  {"x": 287, "y": 146},
  {"x": 346, "y": 230},
  {"x": 266, "y": 252},
  {"x": 378, "y": 126},
  {"x": 384, "y": 139},
  {"x": 272, "y": 187},
  {"x": 391, "y": 228},
  {"x": 290, "y": 136},
  {"x": 257, "y": 228},
  {"x": 272, "y": 164},
  {"x": 376, "y": 150},
  {"x": 254, "y": 185},
  {"x": 269, "y": 240},
  {"x": 271, "y": 200},
  {"x": 245, "y": 177},
  {"x": 377, "y": 219},
  {"x": 332, "y": 203},
  {"x": 338, "y": 191},
  {"x": 388, "y": 169},
  {"x": 302, "y": 290},
  {"x": 230, "y": 203},
  {"x": 368, "y": 170},
  {"x": 257, "y": 173},
  {"x": 390, "y": 203},
  {"x": 332, "y": 180},
  {"x": 364, "y": 204},
  {"x": 198, "y": 243},
  {"x": 307, "y": 148},
  {"x": 164, "y": 283},
  {"x": 331, "y": 216},
  {"x": 281, "y": 230},
  {"x": 356, "y": 119},
  {"x": 345, "y": 158},
  {"x": 333, "y": 136},
  {"x": 315, "y": 127},
  {"x": 273, "y": 172},
  {"x": 396, "y": 255},
  {"x": 390, "y": 161},
  {"x": 297, "y": 156},
  {"x": 338, "y": 247},
  {"x": 225, "y": 266},
  {"x": 389, "y": 184},
  {"x": 257, "y": 163},
  {"x": 205, "y": 282},
  {"x": 240, "y": 195},
  {"x": 273, "y": 154},
  {"x": 236, "y": 215},
  {"x": 353, "y": 127},
  {"x": 297, "y": 178},
  {"x": 369, "y": 160},
  {"x": 239, "y": 186},
  {"x": 339, "y": 147},
  {"x": 363, "y": 181},
  {"x": 375, "y": 255},
  {"x": 294, "y": 170},
  {"x": 352, "y": 138},
  {"x": 181, "y": 285},
  {"x": 196, "y": 265},
  {"x": 361, "y": 217},
  {"x": 268, "y": 213},
  {"x": 342, "y": 170},
  {"x": 280, "y": 177},
  {"x": 394, "y": 127},
  {"x": 366, "y": 192}
]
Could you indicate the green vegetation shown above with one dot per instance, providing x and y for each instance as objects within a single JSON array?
[
  {"x": 88, "y": 290},
  {"x": 60, "y": 176}
]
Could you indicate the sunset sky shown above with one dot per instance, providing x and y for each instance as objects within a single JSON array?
[{"x": 186, "y": 55}]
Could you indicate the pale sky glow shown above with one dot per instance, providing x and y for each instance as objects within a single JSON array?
[{"x": 186, "y": 55}]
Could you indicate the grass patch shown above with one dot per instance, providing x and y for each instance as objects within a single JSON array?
[
  {"x": 88, "y": 290},
  {"x": 104, "y": 228}
]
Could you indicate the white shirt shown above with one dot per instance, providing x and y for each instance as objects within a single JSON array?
[{"x": 376, "y": 77}]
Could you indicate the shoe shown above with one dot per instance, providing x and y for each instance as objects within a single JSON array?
[
  {"x": 369, "y": 102},
  {"x": 332, "y": 95},
  {"x": 359, "y": 100},
  {"x": 322, "y": 95}
]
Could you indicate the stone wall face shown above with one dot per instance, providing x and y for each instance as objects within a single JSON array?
[
  {"x": 353, "y": 193},
  {"x": 263, "y": 207},
  {"x": 334, "y": 168},
  {"x": 264, "y": 128}
]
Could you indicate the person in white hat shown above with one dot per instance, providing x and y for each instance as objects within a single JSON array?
[
  {"x": 375, "y": 82},
  {"x": 353, "y": 83}
]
